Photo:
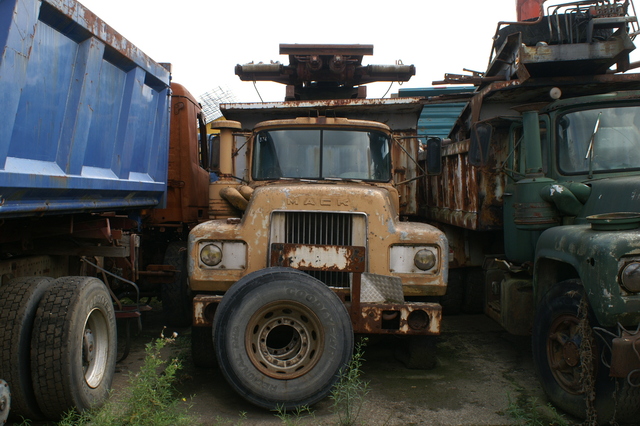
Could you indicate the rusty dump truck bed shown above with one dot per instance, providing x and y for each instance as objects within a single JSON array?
[{"x": 469, "y": 194}]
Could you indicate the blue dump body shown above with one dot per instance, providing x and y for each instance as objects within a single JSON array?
[{"x": 84, "y": 114}]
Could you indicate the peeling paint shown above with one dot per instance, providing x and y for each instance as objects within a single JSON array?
[
  {"x": 391, "y": 227},
  {"x": 556, "y": 188}
]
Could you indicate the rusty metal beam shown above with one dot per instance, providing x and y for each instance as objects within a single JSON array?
[
  {"x": 406, "y": 319},
  {"x": 324, "y": 71},
  {"x": 327, "y": 49}
]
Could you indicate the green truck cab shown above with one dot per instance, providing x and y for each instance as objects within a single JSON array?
[
  {"x": 576, "y": 215},
  {"x": 537, "y": 188},
  {"x": 559, "y": 188}
]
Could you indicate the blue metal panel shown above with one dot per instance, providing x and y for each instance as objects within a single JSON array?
[
  {"x": 437, "y": 119},
  {"x": 106, "y": 116},
  {"x": 84, "y": 122},
  {"x": 17, "y": 34},
  {"x": 79, "y": 112},
  {"x": 40, "y": 114}
]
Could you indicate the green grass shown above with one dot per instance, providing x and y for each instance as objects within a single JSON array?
[
  {"x": 529, "y": 412},
  {"x": 295, "y": 417},
  {"x": 349, "y": 393}
]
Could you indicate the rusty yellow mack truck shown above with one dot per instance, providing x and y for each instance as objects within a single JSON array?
[{"x": 309, "y": 247}]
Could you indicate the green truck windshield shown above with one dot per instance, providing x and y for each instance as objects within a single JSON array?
[
  {"x": 600, "y": 140},
  {"x": 322, "y": 154}
]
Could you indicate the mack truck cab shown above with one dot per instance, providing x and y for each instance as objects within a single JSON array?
[
  {"x": 310, "y": 249},
  {"x": 318, "y": 255}
]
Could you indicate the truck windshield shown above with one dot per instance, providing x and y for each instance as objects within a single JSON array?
[
  {"x": 600, "y": 140},
  {"x": 321, "y": 154}
]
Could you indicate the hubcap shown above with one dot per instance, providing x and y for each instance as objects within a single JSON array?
[
  {"x": 88, "y": 347},
  {"x": 5, "y": 401},
  {"x": 563, "y": 353},
  {"x": 95, "y": 348},
  {"x": 284, "y": 340}
]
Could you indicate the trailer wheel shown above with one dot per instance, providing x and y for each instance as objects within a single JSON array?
[
  {"x": 73, "y": 346},
  {"x": 556, "y": 343},
  {"x": 176, "y": 298},
  {"x": 281, "y": 338},
  {"x": 18, "y": 305}
]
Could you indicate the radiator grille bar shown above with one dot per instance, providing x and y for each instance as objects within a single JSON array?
[{"x": 318, "y": 228}]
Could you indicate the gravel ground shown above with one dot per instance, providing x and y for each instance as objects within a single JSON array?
[{"x": 480, "y": 368}]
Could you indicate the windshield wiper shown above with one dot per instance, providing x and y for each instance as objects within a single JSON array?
[
  {"x": 590, "y": 150},
  {"x": 341, "y": 179}
]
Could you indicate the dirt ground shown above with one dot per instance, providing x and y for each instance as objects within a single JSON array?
[{"x": 480, "y": 369}]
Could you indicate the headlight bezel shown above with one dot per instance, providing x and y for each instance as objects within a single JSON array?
[
  {"x": 402, "y": 259},
  {"x": 630, "y": 276},
  {"x": 233, "y": 254}
]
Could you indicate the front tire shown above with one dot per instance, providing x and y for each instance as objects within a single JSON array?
[
  {"x": 73, "y": 346},
  {"x": 556, "y": 344},
  {"x": 281, "y": 338}
]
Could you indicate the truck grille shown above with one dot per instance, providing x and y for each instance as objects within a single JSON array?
[
  {"x": 338, "y": 229},
  {"x": 318, "y": 228}
]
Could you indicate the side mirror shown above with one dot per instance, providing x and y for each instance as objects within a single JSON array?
[
  {"x": 434, "y": 156},
  {"x": 204, "y": 146}
]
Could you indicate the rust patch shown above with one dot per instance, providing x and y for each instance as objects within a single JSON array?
[
  {"x": 625, "y": 358},
  {"x": 310, "y": 257},
  {"x": 404, "y": 319},
  {"x": 204, "y": 306}
]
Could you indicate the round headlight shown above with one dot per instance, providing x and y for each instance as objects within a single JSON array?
[
  {"x": 424, "y": 260},
  {"x": 630, "y": 277},
  {"x": 211, "y": 255}
]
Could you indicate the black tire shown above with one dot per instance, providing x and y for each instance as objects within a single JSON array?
[
  {"x": 556, "y": 343},
  {"x": 74, "y": 346},
  {"x": 177, "y": 305},
  {"x": 281, "y": 338},
  {"x": 202, "y": 351},
  {"x": 18, "y": 305}
]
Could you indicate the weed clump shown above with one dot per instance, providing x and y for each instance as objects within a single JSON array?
[
  {"x": 295, "y": 417},
  {"x": 528, "y": 412},
  {"x": 150, "y": 399},
  {"x": 349, "y": 393}
]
